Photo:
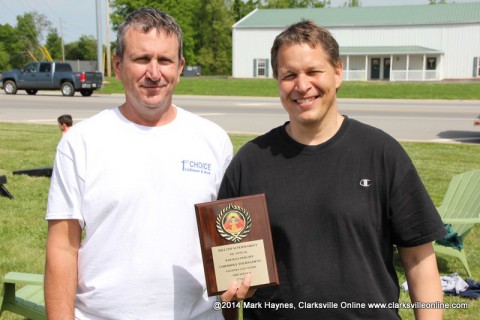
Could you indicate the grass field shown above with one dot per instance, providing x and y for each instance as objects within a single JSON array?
[
  {"x": 23, "y": 229},
  {"x": 224, "y": 86}
]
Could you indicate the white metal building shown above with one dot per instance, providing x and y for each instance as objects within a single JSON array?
[{"x": 394, "y": 43}]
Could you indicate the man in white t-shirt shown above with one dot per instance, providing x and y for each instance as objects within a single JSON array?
[{"x": 122, "y": 236}]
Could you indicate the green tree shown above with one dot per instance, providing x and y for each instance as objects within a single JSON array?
[
  {"x": 4, "y": 63},
  {"x": 241, "y": 8},
  {"x": 121, "y": 8},
  {"x": 88, "y": 46},
  {"x": 8, "y": 45},
  {"x": 21, "y": 44},
  {"x": 437, "y": 2},
  {"x": 83, "y": 49},
  {"x": 184, "y": 12},
  {"x": 274, "y": 4},
  {"x": 30, "y": 28},
  {"x": 206, "y": 25},
  {"x": 54, "y": 44},
  {"x": 215, "y": 41},
  {"x": 353, "y": 3}
]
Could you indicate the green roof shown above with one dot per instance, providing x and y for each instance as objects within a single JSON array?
[
  {"x": 352, "y": 51},
  {"x": 455, "y": 13}
]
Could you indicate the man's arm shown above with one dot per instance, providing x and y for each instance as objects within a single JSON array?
[
  {"x": 423, "y": 280},
  {"x": 63, "y": 242}
]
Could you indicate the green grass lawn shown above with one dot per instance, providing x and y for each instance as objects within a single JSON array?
[
  {"x": 23, "y": 228},
  {"x": 225, "y": 86}
]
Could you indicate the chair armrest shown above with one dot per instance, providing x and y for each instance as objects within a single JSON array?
[
  {"x": 23, "y": 278},
  {"x": 461, "y": 220}
]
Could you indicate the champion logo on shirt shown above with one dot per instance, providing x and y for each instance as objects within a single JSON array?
[
  {"x": 196, "y": 166},
  {"x": 365, "y": 183}
]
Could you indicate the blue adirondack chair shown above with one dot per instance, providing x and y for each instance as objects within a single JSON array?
[
  {"x": 28, "y": 300},
  {"x": 460, "y": 209}
]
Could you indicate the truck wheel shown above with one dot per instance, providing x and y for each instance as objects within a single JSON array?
[
  {"x": 31, "y": 92},
  {"x": 67, "y": 89},
  {"x": 10, "y": 87},
  {"x": 86, "y": 93}
]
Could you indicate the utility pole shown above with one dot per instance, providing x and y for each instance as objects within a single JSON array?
[
  {"x": 99, "y": 37},
  {"x": 61, "y": 37},
  {"x": 107, "y": 28}
]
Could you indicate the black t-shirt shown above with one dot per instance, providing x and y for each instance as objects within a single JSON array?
[{"x": 336, "y": 210}]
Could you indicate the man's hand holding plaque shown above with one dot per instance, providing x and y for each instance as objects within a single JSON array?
[
  {"x": 236, "y": 240},
  {"x": 239, "y": 292}
]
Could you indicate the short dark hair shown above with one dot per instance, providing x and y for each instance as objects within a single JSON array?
[
  {"x": 65, "y": 119},
  {"x": 146, "y": 19},
  {"x": 305, "y": 32}
]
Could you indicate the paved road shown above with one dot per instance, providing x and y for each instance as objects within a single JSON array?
[{"x": 417, "y": 120}]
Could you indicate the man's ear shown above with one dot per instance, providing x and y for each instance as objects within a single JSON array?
[
  {"x": 181, "y": 64},
  {"x": 116, "y": 66},
  {"x": 339, "y": 74}
]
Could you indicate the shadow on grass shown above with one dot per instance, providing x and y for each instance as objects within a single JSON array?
[{"x": 461, "y": 136}]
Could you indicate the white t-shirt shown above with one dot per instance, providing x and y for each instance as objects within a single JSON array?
[{"x": 133, "y": 190}]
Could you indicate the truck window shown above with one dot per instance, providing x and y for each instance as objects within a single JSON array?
[
  {"x": 63, "y": 67},
  {"x": 45, "y": 67},
  {"x": 31, "y": 67}
]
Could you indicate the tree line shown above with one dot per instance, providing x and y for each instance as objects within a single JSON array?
[
  {"x": 26, "y": 42},
  {"x": 206, "y": 24}
]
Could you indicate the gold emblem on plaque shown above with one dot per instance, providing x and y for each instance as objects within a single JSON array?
[{"x": 233, "y": 223}]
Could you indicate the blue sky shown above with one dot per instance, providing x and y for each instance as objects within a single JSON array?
[{"x": 78, "y": 17}]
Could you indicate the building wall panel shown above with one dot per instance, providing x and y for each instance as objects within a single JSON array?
[
  {"x": 459, "y": 44},
  {"x": 249, "y": 45}
]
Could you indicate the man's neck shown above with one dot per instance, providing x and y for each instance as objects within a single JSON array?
[{"x": 315, "y": 134}]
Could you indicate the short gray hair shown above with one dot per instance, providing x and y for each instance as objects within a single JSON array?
[{"x": 146, "y": 19}]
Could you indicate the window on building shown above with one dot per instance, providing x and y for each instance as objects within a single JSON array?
[
  {"x": 260, "y": 68},
  {"x": 476, "y": 67},
  {"x": 431, "y": 63}
]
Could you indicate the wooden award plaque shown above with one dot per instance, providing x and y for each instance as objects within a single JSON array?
[{"x": 235, "y": 239}]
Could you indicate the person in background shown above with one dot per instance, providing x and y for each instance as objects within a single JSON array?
[
  {"x": 65, "y": 122},
  {"x": 341, "y": 196},
  {"x": 122, "y": 235}
]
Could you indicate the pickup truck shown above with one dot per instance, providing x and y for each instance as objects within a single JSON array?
[{"x": 50, "y": 76}]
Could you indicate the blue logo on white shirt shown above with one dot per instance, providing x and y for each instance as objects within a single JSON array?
[{"x": 196, "y": 166}]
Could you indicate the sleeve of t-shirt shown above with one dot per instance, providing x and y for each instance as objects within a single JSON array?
[
  {"x": 230, "y": 186},
  {"x": 415, "y": 220},
  {"x": 64, "y": 198},
  {"x": 228, "y": 189}
]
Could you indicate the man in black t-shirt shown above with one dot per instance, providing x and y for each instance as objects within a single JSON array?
[{"x": 340, "y": 194}]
